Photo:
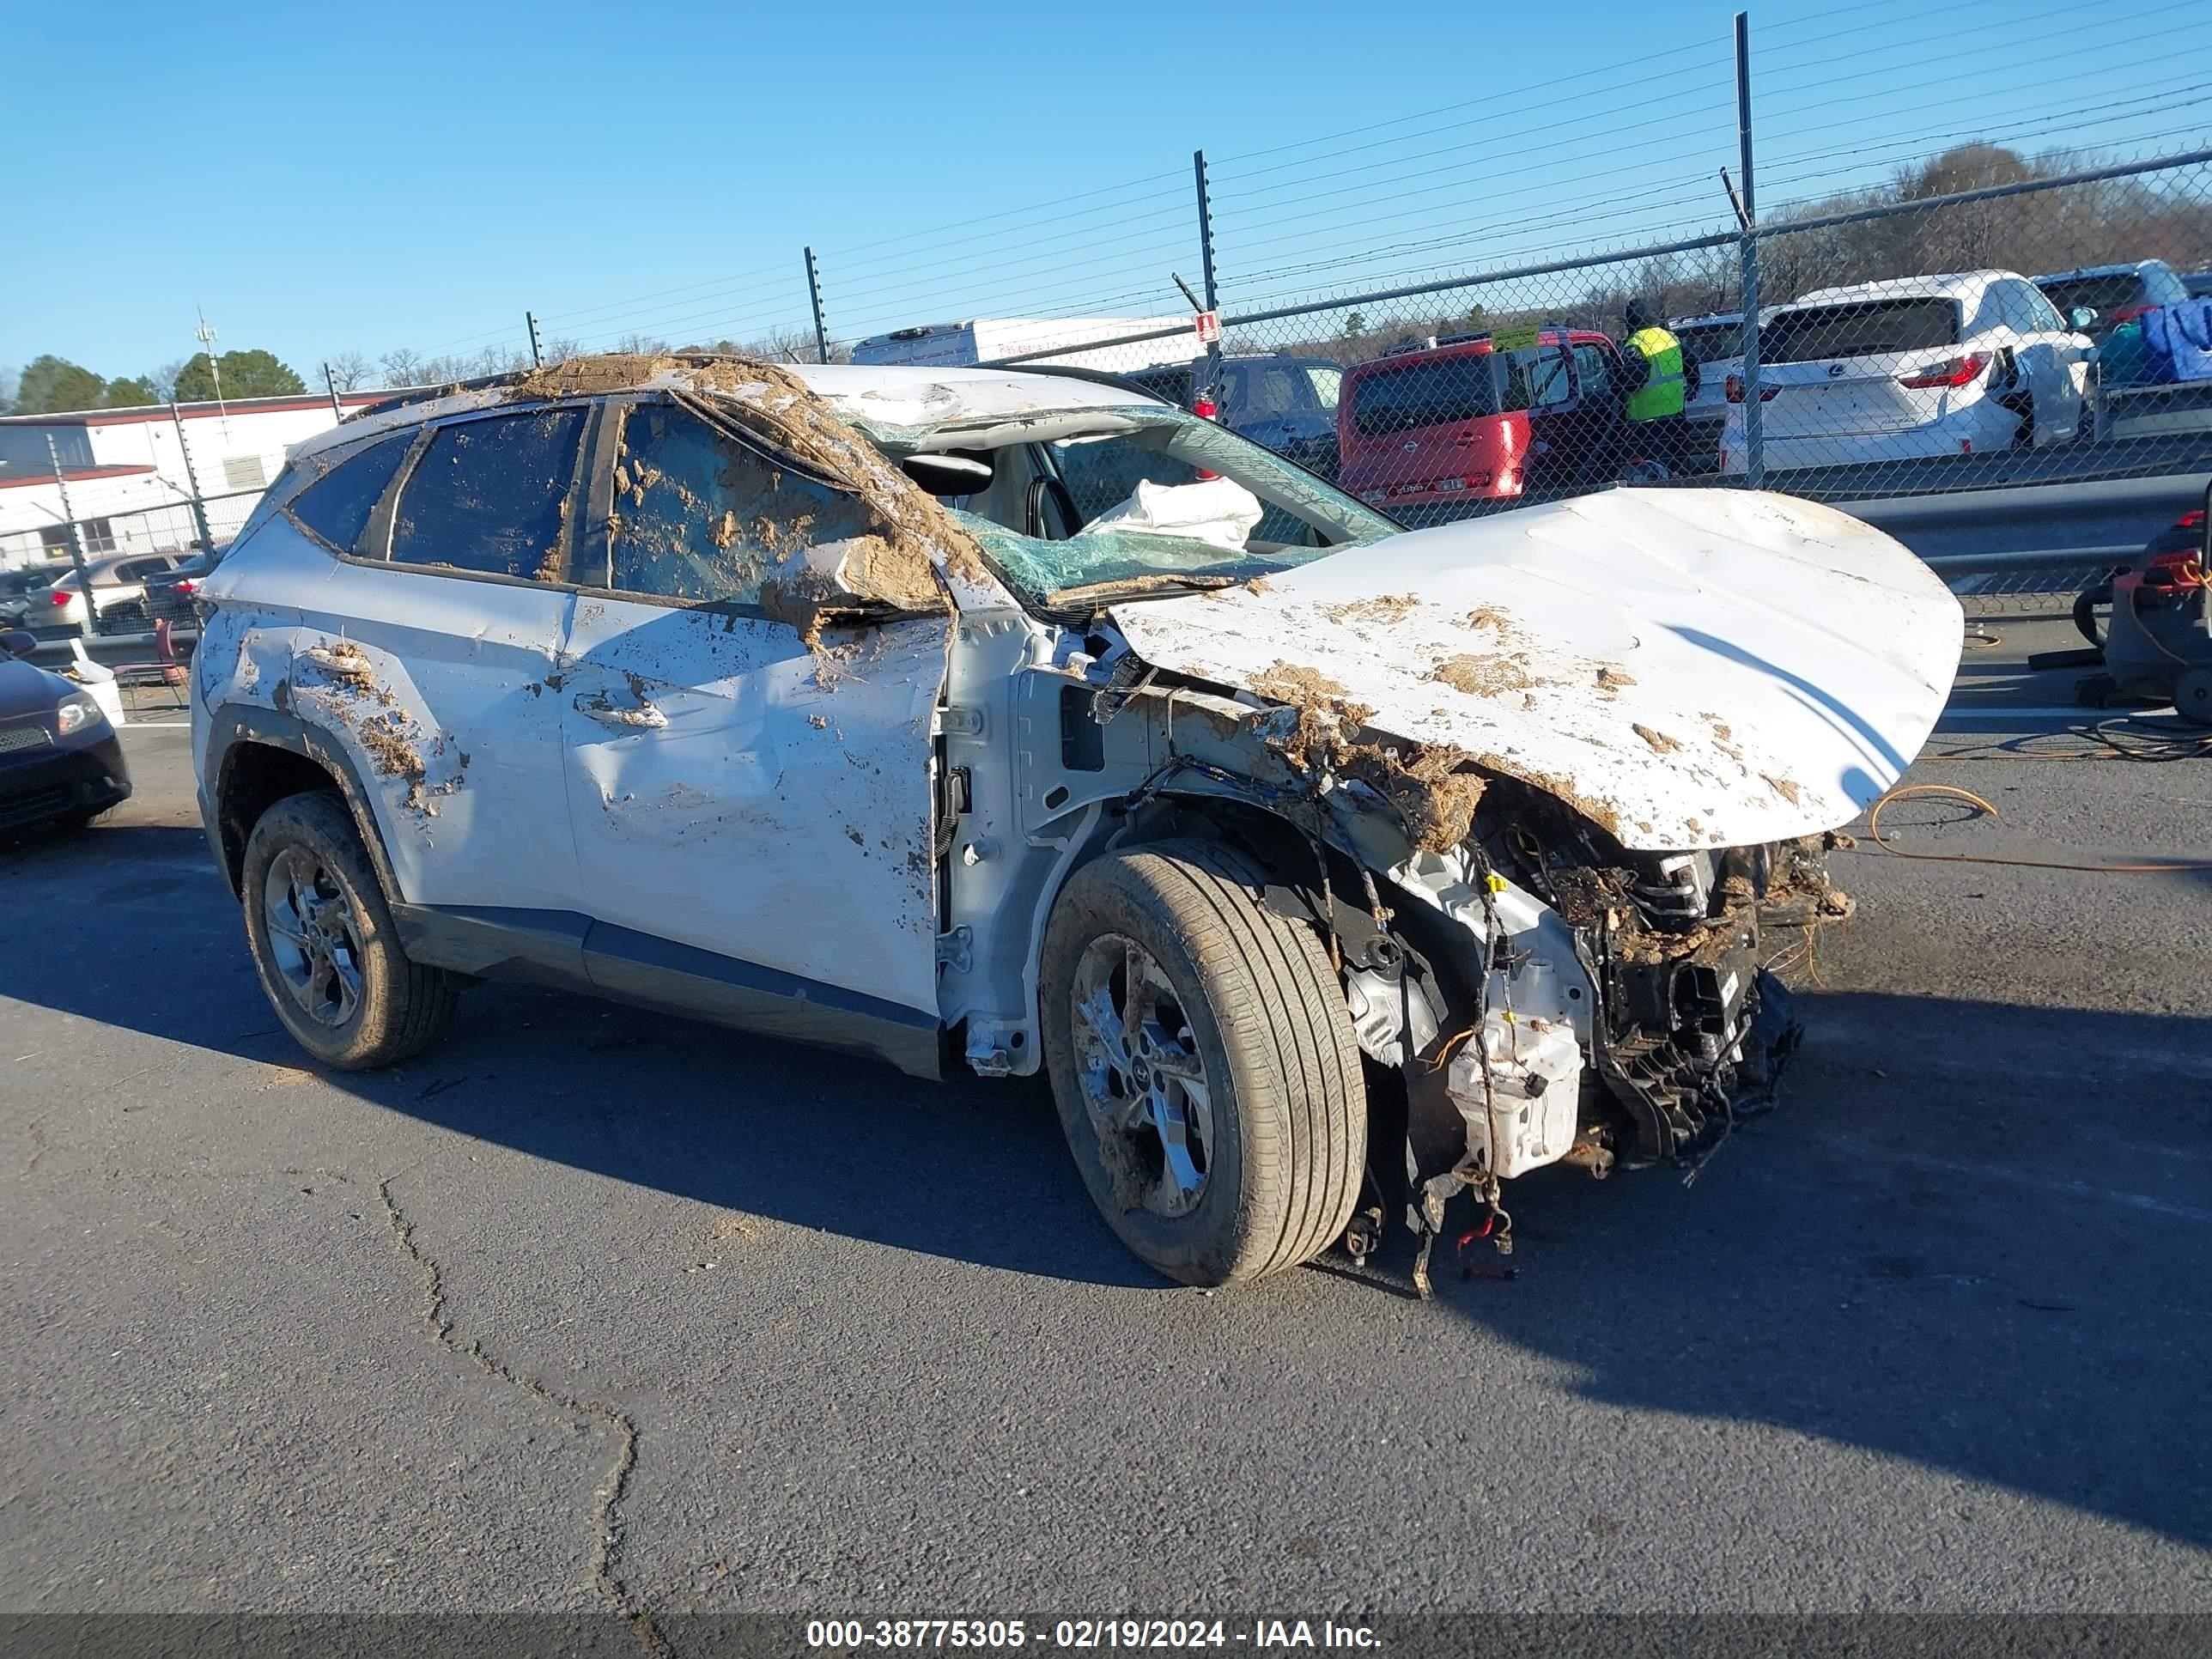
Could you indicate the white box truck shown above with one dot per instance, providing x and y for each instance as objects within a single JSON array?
[{"x": 989, "y": 339}]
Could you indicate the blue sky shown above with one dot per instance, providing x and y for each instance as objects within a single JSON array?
[{"x": 365, "y": 178}]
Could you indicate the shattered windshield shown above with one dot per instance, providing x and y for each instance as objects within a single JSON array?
[{"x": 1136, "y": 498}]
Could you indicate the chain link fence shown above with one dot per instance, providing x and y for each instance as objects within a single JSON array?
[
  {"x": 141, "y": 561},
  {"x": 2012, "y": 332}
]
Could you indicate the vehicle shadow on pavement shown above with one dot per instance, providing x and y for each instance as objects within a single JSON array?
[
  {"x": 1974, "y": 1236},
  {"x": 131, "y": 926}
]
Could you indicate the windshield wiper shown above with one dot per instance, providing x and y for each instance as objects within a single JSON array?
[{"x": 1148, "y": 586}]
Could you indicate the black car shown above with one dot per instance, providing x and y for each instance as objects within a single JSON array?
[
  {"x": 60, "y": 759},
  {"x": 1286, "y": 403}
]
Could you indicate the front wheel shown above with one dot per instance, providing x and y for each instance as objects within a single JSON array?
[
  {"x": 1203, "y": 1062},
  {"x": 324, "y": 944}
]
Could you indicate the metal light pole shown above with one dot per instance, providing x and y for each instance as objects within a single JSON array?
[
  {"x": 205, "y": 336},
  {"x": 76, "y": 538},
  {"x": 1206, "y": 275},
  {"x": 814, "y": 293},
  {"x": 1754, "y": 449},
  {"x": 192, "y": 479}
]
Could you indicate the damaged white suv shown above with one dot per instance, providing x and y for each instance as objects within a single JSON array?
[{"x": 1021, "y": 721}]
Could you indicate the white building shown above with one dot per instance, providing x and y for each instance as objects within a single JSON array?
[{"x": 130, "y": 474}]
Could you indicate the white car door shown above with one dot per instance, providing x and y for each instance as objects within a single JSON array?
[
  {"x": 427, "y": 655},
  {"x": 752, "y": 811}
]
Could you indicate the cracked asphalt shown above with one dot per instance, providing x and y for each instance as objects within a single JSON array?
[{"x": 592, "y": 1309}]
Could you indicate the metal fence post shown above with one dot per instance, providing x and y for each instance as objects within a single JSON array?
[
  {"x": 814, "y": 295},
  {"x": 1754, "y": 445},
  {"x": 76, "y": 540},
  {"x": 330, "y": 383},
  {"x": 191, "y": 481},
  {"x": 537, "y": 350},
  {"x": 1205, "y": 260}
]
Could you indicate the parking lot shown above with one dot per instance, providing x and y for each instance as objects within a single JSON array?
[{"x": 597, "y": 1310}]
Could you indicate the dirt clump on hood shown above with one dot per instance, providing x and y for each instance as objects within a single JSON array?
[
  {"x": 1485, "y": 675},
  {"x": 1381, "y": 608},
  {"x": 1432, "y": 788},
  {"x": 1660, "y": 742}
]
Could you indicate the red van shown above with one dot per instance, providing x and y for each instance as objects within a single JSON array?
[{"x": 1478, "y": 417}]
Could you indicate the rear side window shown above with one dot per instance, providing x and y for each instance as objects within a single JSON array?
[
  {"x": 336, "y": 505},
  {"x": 1874, "y": 328},
  {"x": 1710, "y": 344},
  {"x": 701, "y": 517},
  {"x": 491, "y": 497},
  {"x": 1594, "y": 367},
  {"x": 1404, "y": 398},
  {"x": 1326, "y": 380},
  {"x": 1267, "y": 388},
  {"x": 1543, "y": 370}
]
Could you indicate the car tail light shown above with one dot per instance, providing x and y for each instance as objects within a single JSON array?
[
  {"x": 188, "y": 585},
  {"x": 2128, "y": 313},
  {"x": 60, "y": 597},
  {"x": 1736, "y": 391},
  {"x": 2190, "y": 521},
  {"x": 1959, "y": 371}
]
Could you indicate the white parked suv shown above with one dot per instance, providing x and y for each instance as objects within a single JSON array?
[
  {"x": 1919, "y": 366},
  {"x": 1021, "y": 721}
]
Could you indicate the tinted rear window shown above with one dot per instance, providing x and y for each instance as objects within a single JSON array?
[
  {"x": 2097, "y": 292},
  {"x": 336, "y": 505},
  {"x": 1711, "y": 344},
  {"x": 1871, "y": 328},
  {"x": 1435, "y": 393}
]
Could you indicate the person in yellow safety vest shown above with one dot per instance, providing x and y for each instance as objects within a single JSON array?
[{"x": 1660, "y": 382}]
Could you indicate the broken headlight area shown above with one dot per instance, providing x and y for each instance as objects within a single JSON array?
[{"x": 1691, "y": 1027}]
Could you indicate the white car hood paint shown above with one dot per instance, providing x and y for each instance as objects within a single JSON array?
[{"x": 1785, "y": 660}]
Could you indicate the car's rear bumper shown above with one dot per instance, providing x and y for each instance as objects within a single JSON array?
[
  {"x": 55, "y": 782},
  {"x": 1981, "y": 425}
]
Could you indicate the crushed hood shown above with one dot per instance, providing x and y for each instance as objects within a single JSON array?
[{"x": 1686, "y": 667}]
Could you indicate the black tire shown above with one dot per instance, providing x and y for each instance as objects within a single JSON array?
[
  {"x": 2193, "y": 695},
  {"x": 1286, "y": 1114},
  {"x": 397, "y": 1008}
]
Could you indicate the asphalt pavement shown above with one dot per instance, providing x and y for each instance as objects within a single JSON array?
[{"x": 595, "y": 1311}]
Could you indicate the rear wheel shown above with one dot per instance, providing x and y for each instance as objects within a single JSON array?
[
  {"x": 1203, "y": 1062},
  {"x": 325, "y": 945}
]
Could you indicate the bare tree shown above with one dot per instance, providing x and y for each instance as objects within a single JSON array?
[
  {"x": 402, "y": 367},
  {"x": 164, "y": 378},
  {"x": 349, "y": 370}
]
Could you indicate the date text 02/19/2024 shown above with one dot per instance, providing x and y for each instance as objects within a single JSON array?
[{"x": 1118, "y": 1635}]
